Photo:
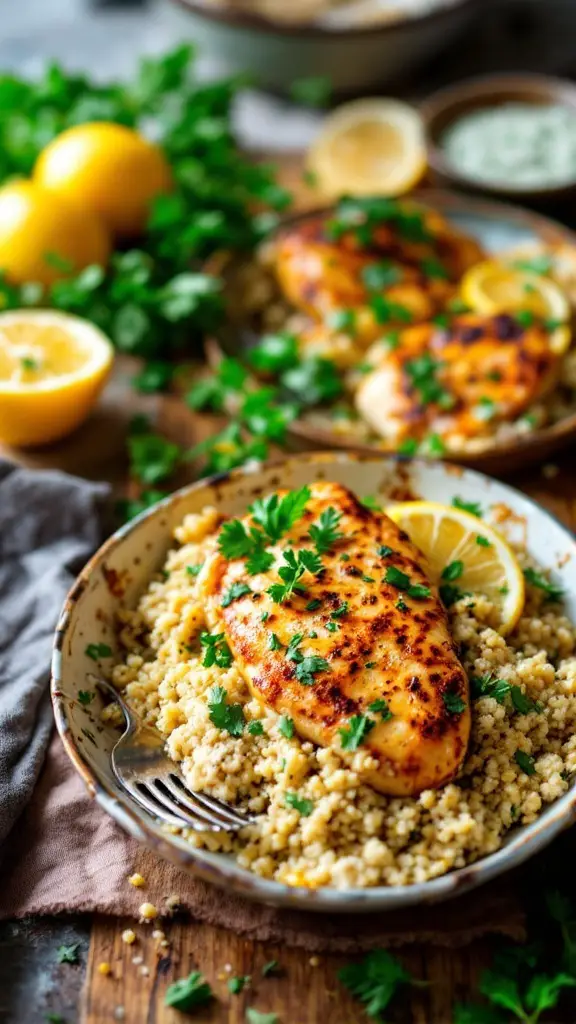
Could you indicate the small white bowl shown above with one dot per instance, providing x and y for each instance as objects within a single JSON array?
[{"x": 120, "y": 572}]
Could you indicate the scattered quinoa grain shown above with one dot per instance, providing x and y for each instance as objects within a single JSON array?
[
  {"x": 129, "y": 936},
  {"x": 137, "y": 880},
  {"x": 147, "y": 912},
  {"x": 314, "y": 961}
]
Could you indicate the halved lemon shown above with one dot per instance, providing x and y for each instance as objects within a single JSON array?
[
  {"x": 495, "y": 287},
  {"x": 369, "y": 147},
  {"x": 464, "y": 554},
  {"x": 52, "y": 369}
]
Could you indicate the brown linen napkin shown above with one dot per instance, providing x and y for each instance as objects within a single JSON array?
[{"x": 66, "y": 854}]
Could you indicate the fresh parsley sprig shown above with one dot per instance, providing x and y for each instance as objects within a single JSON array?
[
  {"x": 291, "y": 572},
  {"x": 229, "y": 717},
  {"x": 375, "y": 981},
  {"x": 324, "y": 534},
  {"x": 216, "y": 650}
]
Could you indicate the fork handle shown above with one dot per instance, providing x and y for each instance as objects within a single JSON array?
[{"x": 132, "y": 721}]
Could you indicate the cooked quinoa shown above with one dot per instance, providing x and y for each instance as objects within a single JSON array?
[{"x": 346, "y": 834}]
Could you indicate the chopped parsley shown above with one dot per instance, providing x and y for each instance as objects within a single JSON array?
[
  {"x": 340, "y": 611},
  {"x": 380, "y": 707},
  {"x": 453, "y": 702},
  {"x": 486, "y": 686},
  {"x": 522, "y": 703},
  {"x": 295, "y": 565},
  {"x": 409, "y": 447},
  {"x": 423, "y": 375},
  {"x": 370, "y": 664},
  {"x": 237, "y": 984},
  {"x": 234, "y": 592},
  {"x": 28, "y": 363},
  {"x": 540, "y": 264},
  {"x": 313, "y": 605},
  {"x": 375, "y": 980},
  {"x": 265, "y": 616},
  {"x": 433, "y": 445},
  {"x": 368, "y": 579},
  {"x": 525, "y": 762},
  {"x": 402, "y": 582},
  {"x": 486, "y": 408},
  {"x": 525, "y": 317},
  {"x": 371, "y": 502},
  {"x": 235, "y": 541},
  {"x": 96, "y": 651},
  {"x": 358, "y": 728},
  {"x": 385, "y": 311},
  {"x": 225, "y": 716},
  {"x": 274, "y": 644},
  {"x": 277, "y": 515},
  {"x": 483, "y": 542},
  {"x": 435, "y": 270},
  {"x": 188, "y": 993},
  {"x": 308, "y": 667},
  {"x": 344, "y": 557},
  {"x": 256, "y": 728},
  {"x": 537, "y": 579},
  {"x": 376, "y": 276},
  {"x": 325, "y": 533},
  {"x": 269, "y": 968},
  {"x": 453, "y": 571},
  {"x": 194, "y": 570},
  {"x": 216, "y": 650},
  {"x": 473, "y": 507},
  {"x": 384, "y": 551},
  {"x": 274, "y": 353},
  {"x": 449, "y": 594},
  {"x": 286, "y": 727},
  {"x": 300, "y": 804},
  {"x": 342, "y": 320},
  {"x": 254, "y": 1016},
  {"x": 86, "y": 696},
  {"x": 401, "y": 605},
  {"x": 68, "y": 954},
  {"x": 332, "y": 627}
]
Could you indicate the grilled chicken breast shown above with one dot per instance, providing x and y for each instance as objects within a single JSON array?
[
  {"x": 391, "y": 276},
  {"x": 351, "y": 644},
  {"x": 456, "y": 381}
]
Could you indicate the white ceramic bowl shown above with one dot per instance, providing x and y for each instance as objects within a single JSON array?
[
  {"x": 119, "y": 573},
  {"x": 353, "y": 58}
]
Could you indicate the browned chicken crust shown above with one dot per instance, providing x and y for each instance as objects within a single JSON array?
[
  {"x": 321, "y": 275},
  {"x": 387, "y": 645},
  {"x": 459, "y": 379}
]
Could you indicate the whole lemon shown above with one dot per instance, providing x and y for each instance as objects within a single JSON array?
[
  {"x": 36, "y": 223},
  {"x": 109, "y": 169}
]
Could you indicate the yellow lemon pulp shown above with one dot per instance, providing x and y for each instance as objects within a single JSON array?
[
  {"x": 36, "y": 223},
  {"x": 449, "y": 536},
  {"x": 52, "y": 369},
  {"x": 372, "y": 146},
  {"x": 108, "y": 169},
  {"x": 495, "y": 287}
]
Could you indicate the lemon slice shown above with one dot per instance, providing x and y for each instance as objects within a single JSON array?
[
  {"x": 369, "y": 147},
  {"x": 495, "y": 287},
  {"x": 464, "y": 553},
  {"x": 52, "y": 369}
]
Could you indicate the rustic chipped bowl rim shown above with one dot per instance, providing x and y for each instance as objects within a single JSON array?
[
  {"x": 223, "y": 870},
  {"x": 525, "y": 447}
]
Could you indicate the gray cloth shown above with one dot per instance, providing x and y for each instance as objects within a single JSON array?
[{"x": 49, "y": 526}]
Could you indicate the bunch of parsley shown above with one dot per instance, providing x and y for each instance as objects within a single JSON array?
[{"x": 151, "y": 300}]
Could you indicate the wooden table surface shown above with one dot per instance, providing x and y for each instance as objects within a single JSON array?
[{"x": 32, "y": 984}]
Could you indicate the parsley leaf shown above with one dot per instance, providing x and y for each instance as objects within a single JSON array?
[
  {"x": 68, "y": 954},
  {"x": 235, "y": 541},
  {"x": 274, "y": 644},
  {"x": 376, "y": 276},
  {"x": 358, "y": 728},
  {"x": 453, "y": 571},
  {"x": 152, "y": 458},
  {"x": 537, "y": 579},
  {"x": 295, "y": 565},
  {"x": 96, "y": 651},
  {"x": 234, "y": 592},
  {"x": 379, "y": 707},
  {"x": 86, "y": 696},
  {"x": 375, "y": 980},
  {"x": 274, "y": 353},
  {"x": 269, "y": 968},
  {"x": 229, "y": 717},
  {"x": 449, "y": 594},
  {"x": 522, "y": 703},
  {"x": 339, "y": 611},
  {"x": 324, "y": 533},
  {"x": 254, "y": 1016},
  {"x": 286, "y": 727},
  {"x": 525, "y": 762},
  {"x": 384, "y": 551},
  {"x": 314, "y": 381},
  {"x": 194, "y": 570},
  {"x": 422, "y": 373},
  {"x": 235, "y": 985},
  {"x": 401, "y": 581},
  {"x": 453, "y": 702},
  {"x": 473, "y": 507},
  {"x": 300, "y": 804},
  {"x": 277, "y": 515},
  {"x": 256, "y": 728},
  {"x": 188, "y": 993},
  {"x": 309, "y": 667},
  {"x": 216, "y": 650},
  {"x": 486, "y": 686}
]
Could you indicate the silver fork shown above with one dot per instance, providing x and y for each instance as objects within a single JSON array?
[{"x": 143, "y": 769}]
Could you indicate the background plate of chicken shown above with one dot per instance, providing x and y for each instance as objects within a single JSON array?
[
  {"x": 375, "y": 659},
  {"x": 438, "y": 325}
]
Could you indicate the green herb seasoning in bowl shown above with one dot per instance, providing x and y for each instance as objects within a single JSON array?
[{"x": 509, "y": 135}]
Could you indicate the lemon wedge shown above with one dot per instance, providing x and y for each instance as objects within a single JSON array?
[
  {"x": 465, "y": 555},
  {"x": 495, "y": 287},
  {"x": 369, "y": 147},
  {"x": 52, "y": 369}
]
